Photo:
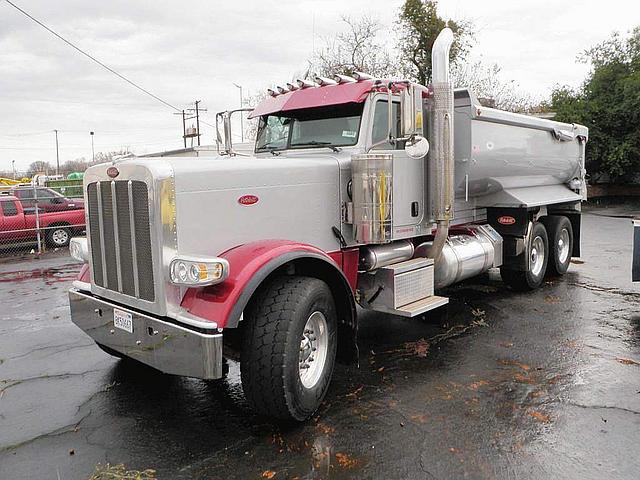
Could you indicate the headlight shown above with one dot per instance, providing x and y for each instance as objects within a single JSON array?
[
  {"x": 79, "y": 249},
  {"x": 198, "y": 271}
]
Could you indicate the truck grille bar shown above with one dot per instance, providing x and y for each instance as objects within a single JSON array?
[{"x": 120, "y": 237}]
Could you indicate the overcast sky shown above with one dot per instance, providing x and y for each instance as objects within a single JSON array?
[{"x": 183, "y": 51}]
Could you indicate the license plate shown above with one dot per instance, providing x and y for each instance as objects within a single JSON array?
[{"x": 123, "y": 320}]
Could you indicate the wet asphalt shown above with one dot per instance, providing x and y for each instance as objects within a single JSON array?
[{"x": 537, "y": 385}]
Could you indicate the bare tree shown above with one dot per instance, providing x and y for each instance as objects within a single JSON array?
[
  {"x": 77, "y": 165},
  {"x": 39, "y": 166},
  {"x": 103, "y": 157},
  {"x": 486, "y": 82},
  {"x": 356, "y": 49}
]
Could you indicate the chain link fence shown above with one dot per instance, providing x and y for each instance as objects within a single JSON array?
[{"x": 35, "y": 219}]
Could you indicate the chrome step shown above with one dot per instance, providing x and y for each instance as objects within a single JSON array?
[
  {"x": 421, "y": 306},
  {"x": 414, "y": 309}
]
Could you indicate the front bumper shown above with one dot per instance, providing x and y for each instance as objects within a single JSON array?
[{"x": 170, "y": 348}]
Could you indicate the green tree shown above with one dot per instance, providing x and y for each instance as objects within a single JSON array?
[
  {"x": 420, "y": 24},
  {"x": 608, "y": 103}
]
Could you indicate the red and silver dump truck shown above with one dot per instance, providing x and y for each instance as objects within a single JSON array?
[{"x": 360, "y": 191}]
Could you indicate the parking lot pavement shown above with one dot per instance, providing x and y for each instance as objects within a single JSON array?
[{"x": 538, "y": 385}]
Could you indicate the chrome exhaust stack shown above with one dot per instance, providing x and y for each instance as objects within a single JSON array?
[{"x": 441, "y": 160}]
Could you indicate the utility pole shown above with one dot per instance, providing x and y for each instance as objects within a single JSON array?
[
  {"x": 13, "y": 167},
  {"x": 93, "y": 152},
  {"x": 57, "y": 155},
  {"x": 190, "y": 114},
  {"x": 198, "y": 120},
  {"x": 241, "y": 119}
]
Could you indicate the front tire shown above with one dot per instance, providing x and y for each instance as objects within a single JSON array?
[
  {"x": 560, "y": 244},
  {"x": 59, "y": 237},
  {"x": 538, "y": 250},
  {"x": 289, "y": 348}
]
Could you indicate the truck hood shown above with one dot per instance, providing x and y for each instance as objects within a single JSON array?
[{"x": 223, "y": 202}]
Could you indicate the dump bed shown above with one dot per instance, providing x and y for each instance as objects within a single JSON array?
[{"x": 504, "y": 159}]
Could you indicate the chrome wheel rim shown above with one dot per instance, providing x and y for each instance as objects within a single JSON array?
[
  {"x": 537, "y": 256},
  {"x": 60, "y": 237},
  {"x": 563, "y": 245},
  {"x": 313, "y": 350}
]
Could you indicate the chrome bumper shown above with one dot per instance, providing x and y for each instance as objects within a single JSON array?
[{"x": 162, "y": 345}]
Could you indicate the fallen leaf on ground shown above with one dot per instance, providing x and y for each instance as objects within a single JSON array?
[
  {"x": 541, "y": 417},
  {"x": 478, "y": 384},
  {"x": 355, "y": 392},
  {"x": 345, "y": 461},
  {"x": 268, "y": 474},
  {"x": 326, "y": 429},
  {"x": 626, "y": 361},
  {"x": 518, "y": 377},
  {"x": 514, "y": 363},
  {"x": 419, "y": 347},
  {"x": 419, "y": 418}
]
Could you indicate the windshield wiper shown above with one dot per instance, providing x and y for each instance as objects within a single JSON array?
[{"x": 316, "y": 143}]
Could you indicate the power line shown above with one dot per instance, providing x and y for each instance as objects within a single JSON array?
[{"x": 93, "y": 58}]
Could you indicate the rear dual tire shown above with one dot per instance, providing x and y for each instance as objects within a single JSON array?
[
  {"x": 550, "y": 249},
  {"x": 289, "y": 347},
  {"x": 560, "y": 244},
  {"x": 538, "y": 251}
]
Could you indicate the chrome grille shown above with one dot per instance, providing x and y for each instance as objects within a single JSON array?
[{"x": 121, "y": 237}]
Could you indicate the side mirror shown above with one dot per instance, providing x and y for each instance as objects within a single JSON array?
[
  {"x": 411, "y": 104},
  {"x": 416, "y": 147}
]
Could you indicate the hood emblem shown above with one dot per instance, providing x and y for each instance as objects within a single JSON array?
[
  {"x": 113, "y": 172},
  {"x": 248, "y": 200}
]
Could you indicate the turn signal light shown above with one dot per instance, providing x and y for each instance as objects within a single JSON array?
[{"x": 198, "y": 271}]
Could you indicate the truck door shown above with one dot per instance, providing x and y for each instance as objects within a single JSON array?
[
  {"x": 408, "y": 173},
  {"x": 12, "y": 222}
]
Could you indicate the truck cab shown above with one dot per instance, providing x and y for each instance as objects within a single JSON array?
[{"x": 263, "y": 257}]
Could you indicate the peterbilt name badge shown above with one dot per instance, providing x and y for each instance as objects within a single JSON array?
[
  {"x": 506, "y": 220},
  {"x": 113, "y": 172},
  {"x": 248, "y": 200}
]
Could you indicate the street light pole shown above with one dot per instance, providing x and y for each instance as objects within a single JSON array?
[
  {"x": 241, "y": 119},
  {"x": 57, "y": 155},
  {"x": 93, "y": 153},
  {"x": 13, "y": 167}
]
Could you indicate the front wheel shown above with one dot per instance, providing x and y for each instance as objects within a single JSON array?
[
  {"x": 289, "y": 348},
  {"x": 538, "y": 251},
  {"x": 59, "y": 236}
]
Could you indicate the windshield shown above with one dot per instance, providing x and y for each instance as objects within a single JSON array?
[{"x": 331, "y": 126}]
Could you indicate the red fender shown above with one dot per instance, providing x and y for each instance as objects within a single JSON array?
[
  {"x": 84, "y": 275},
  {"x": 249, "y": 265}
]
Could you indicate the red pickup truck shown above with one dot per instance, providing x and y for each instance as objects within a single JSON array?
[{"x": 57, "y": 228}]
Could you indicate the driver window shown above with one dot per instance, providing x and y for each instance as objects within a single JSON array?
[
  {"x": 277, "y": 133},
  {"x": 380, "y": 125}
]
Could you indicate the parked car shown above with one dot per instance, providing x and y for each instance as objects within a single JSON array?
[
  {"x": 57, "y": 228},
  {"x": 48, "y": 199}
]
